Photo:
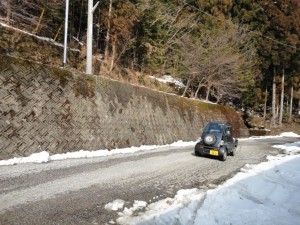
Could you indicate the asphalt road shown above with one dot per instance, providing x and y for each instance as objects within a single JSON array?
[{"x": 76, "y": 191}]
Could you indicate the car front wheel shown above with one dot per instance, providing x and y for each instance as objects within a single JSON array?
[
  {"x": 224, "y": 156},
  {"x": 195, "y": 151}
]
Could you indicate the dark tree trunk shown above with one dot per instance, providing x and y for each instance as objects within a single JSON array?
[
  {"x": 265, "y": 105},
  {"x": 107, "y": 39},
  {"x": 273, "y": 119},
  {"x": 281, "y": 99}
]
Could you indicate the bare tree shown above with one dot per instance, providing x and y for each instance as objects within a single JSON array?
[
  {"x": 29, "y": 15},
  {"x": 107, "y": 38},
  {"x": 8, "y": 12},
  {"x": 218, "y": 61}
]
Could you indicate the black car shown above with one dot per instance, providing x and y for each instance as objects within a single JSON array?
[{"x": 216, "y": 140}]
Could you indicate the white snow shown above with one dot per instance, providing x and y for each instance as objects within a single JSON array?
[
  {"x": 206, "y": 101},
  {"x": 46, "y": 157},
  {"x": 169, "y": 79},
  {"x": 137, "y": 205},
  {"x": 115, "y": 205},
  {"x": 168, "y": 210},
  {"x": 266, "y": 194},
  {"x": 284, "y": 134},
  {"x": 290, "y": 148}
]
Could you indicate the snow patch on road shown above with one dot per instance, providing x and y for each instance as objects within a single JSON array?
[
  {"x": 189, "y": 198},
  {"x": 115, "y": 205}
]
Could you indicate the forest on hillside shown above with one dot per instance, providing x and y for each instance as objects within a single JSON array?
[{"x": 246, "y": 52}]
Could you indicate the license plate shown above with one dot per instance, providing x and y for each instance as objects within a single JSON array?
[{"x": 214, "y": 152}]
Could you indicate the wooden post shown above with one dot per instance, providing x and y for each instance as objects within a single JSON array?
[
  {"x": 38, "y": 25},
  {"x": 57, "y": 33}
]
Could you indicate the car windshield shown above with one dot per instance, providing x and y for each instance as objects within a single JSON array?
[{"x": 213, "y": 127}]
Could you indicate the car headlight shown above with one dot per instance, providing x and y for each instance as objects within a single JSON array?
[
  {"x": 221, "y": 142},
  {"x": 199, "y": 139}
]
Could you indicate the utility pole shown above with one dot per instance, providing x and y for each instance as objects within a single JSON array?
[
  {"x": 89, "y": 41},
  {"x": 66, "y": 33}
]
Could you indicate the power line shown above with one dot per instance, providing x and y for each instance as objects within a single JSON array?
[{"x": 237, "y": 26}]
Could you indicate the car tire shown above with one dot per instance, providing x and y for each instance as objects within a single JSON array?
[
  {"x": 224, "y": 156},
  {"x": 233, "y": 151},
  {"x": 195, "y": 151},
  {"x": 209, "y": 139}
]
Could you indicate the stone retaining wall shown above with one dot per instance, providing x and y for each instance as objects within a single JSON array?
[{"x": 46, "y": 108}]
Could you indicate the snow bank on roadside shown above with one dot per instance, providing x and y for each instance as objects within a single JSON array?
[
  {"x": 44, "y": 156},
  {"x": 289, "y": 134},
  {"x": 284, "y": 134}
]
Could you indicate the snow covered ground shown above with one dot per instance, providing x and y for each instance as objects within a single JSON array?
[{"x": 266, "y": 194}]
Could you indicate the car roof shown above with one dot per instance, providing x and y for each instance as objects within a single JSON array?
[{"x": 220, "y": 123}]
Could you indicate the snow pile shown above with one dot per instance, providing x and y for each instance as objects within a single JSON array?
[
  {"x": 137, "y": 205},
  {"x": 169, "y": 79},
  {"x": 289, "y": 134},
  {"x": 290, "y": 148},
  {"x": 115, "y": 205},
  {"x": 40, "y": 157},
  {"x": 266, "y": 194},
  {"x": 173, "y": 206},
  {"x": 45, "y": 157}
]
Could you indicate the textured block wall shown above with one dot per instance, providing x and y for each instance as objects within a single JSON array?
[{"x": 46, "y": 108}]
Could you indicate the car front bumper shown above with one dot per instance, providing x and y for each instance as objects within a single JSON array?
[{"x": 208, "y": 150}]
